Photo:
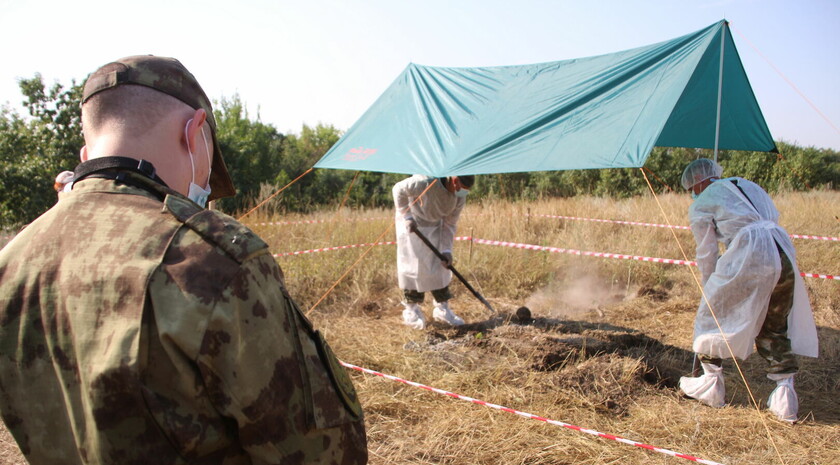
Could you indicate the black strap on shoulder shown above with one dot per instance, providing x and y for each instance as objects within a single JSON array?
[
  {"x": 735, "y": 181},
  {"x": 123, "y": 170},
  {"x": 116, "y": 164}
]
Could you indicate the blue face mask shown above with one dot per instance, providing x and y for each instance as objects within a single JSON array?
[
  {"x": 462, "y": 193},
  {"x": 694, "y": 195}
]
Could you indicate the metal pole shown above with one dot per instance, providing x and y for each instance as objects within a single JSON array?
[{"x": 720, "y": 90}]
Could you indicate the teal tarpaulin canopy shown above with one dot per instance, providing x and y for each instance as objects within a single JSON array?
[{"x": 607, "y": 111}]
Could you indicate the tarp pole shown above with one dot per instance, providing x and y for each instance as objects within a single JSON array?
[{"x": 720, "y": 91}]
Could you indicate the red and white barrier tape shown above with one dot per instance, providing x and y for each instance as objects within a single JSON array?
[
  {"x": 611, "y": 255},
  {"x": 822, "y": 276},
  {"x": 531, "y": 416},
  {"x": 539, "y": 248},
  {"x": 821, "y": 238},
  {"x": 579, "y": 252},
  {"x": 632, "y": 223},
  {"x": 636, "y": 223},
  {"x": 327, "y": 249},
  {"x": 577, "y": 218},
  {"x": 349, "y": 220}
]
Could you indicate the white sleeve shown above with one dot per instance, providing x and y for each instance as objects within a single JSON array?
[
  {"x": 707, "y": 246},
  {"x": 401, "y": 198}
]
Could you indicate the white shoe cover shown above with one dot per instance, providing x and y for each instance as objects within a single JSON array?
[
  {"x": 444, "y": 314},
  {"x": 413, "y": 316},
  {"x": 783, "y": 400},
  {"x": 707, "y": 388}
]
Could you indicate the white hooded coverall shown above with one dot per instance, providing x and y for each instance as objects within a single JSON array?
[
  {"x": 436, "y": 215},
  {"x": 738, "y": 284}
]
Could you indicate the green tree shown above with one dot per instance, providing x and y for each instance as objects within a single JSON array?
[
  {"x": 253, "y": 151},
  {"x": 301, "y": 152},
  {"x": 34, "y": 149}
]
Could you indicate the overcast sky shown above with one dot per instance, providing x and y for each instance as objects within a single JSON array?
[{"x": 305, "y": 62}]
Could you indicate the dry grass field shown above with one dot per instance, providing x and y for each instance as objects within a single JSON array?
[{"x": 604, "y": 350}]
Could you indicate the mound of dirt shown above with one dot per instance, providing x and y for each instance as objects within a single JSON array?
[{"x": 606, "y": 363}]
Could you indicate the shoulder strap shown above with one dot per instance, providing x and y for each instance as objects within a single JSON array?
[
  {"x": 96, "y": 165},
  {"x": 236, "y": 239},
  {"x": 735, "y": 181},
  {"x": 137, "y": 173}
]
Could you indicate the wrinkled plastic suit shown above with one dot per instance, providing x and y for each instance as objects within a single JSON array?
[
  {"x": 436, "y": 215},
  {"x": 738, "y": 283}
]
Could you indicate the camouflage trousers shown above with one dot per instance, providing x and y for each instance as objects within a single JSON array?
[
  {"x": 416, "y": 297},
  {"x": 772, "y": 342}
]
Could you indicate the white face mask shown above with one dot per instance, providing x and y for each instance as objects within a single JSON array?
[{"x": 198, "y": 194}]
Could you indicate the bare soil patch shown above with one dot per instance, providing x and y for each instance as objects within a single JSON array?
[{"x": 611, "y": 365}]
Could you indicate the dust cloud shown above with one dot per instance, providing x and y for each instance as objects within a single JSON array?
[{"x": 578, "y": 294}]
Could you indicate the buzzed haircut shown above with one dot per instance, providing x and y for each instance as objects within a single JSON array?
[
  {"x": 467, "y": 181},
  {"x": 135, "y": 108}
]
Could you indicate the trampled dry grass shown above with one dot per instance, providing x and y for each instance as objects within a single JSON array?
[{"x": 607, "y": 343}]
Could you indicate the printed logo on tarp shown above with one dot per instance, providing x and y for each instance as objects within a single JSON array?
[{"x": 359, "y": 153}]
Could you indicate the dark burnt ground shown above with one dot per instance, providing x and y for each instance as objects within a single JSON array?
[{"x": 609, "y": 365}]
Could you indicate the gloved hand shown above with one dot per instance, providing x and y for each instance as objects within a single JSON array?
[
  {"x": 448, "y": 262},
  {"x": 410, "y": 225}
]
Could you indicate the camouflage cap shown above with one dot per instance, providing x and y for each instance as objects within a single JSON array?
[{"x": 169, "y": 76}]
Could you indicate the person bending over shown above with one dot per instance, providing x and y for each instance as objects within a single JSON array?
[{"x": 753, "y": 289}]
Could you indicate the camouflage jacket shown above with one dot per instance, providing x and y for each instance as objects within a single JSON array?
[{"x": 135, "y": 330}]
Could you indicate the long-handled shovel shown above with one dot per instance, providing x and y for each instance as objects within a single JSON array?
[{"x": 454, "y": 271}]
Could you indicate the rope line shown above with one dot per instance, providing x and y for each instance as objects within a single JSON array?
[
  {"x": 372, "y": 245},
  {"x": 275, "y": 194},
  {"x": 346, "y": 272},
  {"x": 333, "y": 225},
  {"x": 792, "y": 85},
  {"x": 561, "y": 217},
  {"x": 658, "y": 179},
  {"x": 330, "y": 249},
  {"x": 686, "y": 228},
  {"x": 286, "y": 223},
  {"x": 530, "y": 415},
  {"x": 539, "y": 248}
]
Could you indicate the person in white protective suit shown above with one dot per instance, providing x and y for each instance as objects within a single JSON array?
[
  {"x": 435, "y": 214},
  {"x": 754, "y": 288}
]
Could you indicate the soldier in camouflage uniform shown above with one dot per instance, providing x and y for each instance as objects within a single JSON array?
[{"x": 137, "y": 327}]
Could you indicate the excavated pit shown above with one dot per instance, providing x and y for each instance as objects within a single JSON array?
[{"x": 608, "y": 364}]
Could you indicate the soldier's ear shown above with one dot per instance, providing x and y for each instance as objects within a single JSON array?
[
  {"x": 83, "y": 153},
  {"x": 192, "y": 132}
]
